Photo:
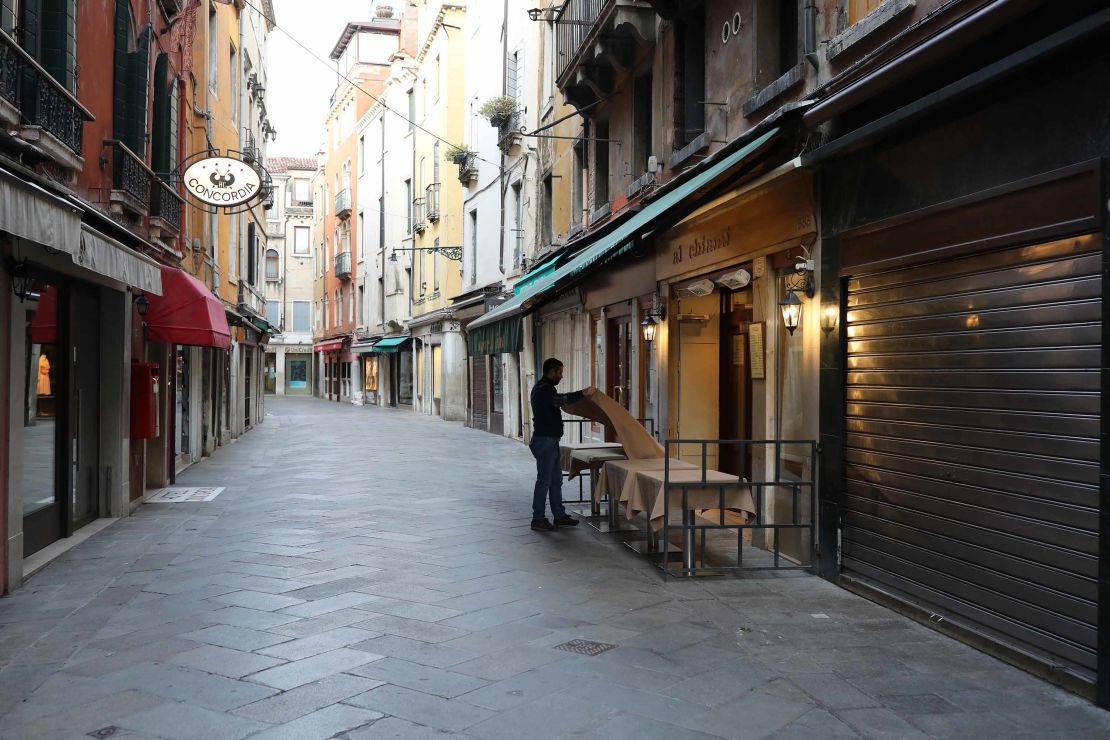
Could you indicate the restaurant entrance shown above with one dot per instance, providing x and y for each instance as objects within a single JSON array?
[{"x": 736, "y": 380}]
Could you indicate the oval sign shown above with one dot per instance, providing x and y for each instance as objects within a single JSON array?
[{"x": 222, "y": 181}]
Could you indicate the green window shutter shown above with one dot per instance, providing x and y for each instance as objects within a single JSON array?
[
  {"x": 7, "y": 16},
  {"x": 160, "y": 133},
  {"x": 30, "y": 23},
  {"x": 138, "y": 87},
  {"x": 122, "y": 34},
  {"x": 58, "y": 41},
  {"x": 174, "y": 153}
]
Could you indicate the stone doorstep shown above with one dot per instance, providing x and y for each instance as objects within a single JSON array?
[{"x": 53, "y": 551}]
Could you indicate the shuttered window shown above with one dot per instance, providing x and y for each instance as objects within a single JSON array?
[
  {"x": 131, "y": 81},
  {"x": 59, "y": 41}
]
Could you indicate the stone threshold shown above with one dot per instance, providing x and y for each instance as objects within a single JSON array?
[{"x": 53, "y": 551}]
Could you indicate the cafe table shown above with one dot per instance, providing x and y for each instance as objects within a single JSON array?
[
  {"x": 618, "y": 478},
  {"x": 574, "y": 468},
  {"x": 592, "y": 460}
]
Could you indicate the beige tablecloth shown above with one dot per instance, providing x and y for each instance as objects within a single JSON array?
[
  {"x": 619, "y": 476},
  {"x": 569, "y": 463},
  {"x": 647, "y": 494}
]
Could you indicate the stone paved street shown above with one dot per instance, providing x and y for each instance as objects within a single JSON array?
[{"x": 371, "y": 574}]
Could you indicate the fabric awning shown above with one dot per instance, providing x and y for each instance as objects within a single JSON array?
[
  {"x": 389, "y": 344},
  {"x": 607, "y": 247},
  {"x": 108, "y": 257},
  {"x": 329, "y": 345},
  {"x": 186, "y": 313},
  {"x": 36, "y": 214},
  {"x": 501, "y": 337}
]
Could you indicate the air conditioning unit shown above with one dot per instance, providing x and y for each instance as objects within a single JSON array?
[
  {"x": 736, "y": 280},
  {"x": 699, "y": 288}
]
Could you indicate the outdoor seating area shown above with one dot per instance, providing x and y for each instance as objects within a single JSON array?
[{"x": 691, "y": 518}]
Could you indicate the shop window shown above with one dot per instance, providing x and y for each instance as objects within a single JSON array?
[
  {"x": 43, "y": 366},
  {"x": 496, "y": 385},
  {"x": 689, "y": 77},
  {"x": 776, "y": 42}
]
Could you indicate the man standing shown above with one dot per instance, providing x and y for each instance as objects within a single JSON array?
[{"x": 547, "y": 430}]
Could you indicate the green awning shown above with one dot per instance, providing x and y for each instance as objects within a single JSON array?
[
  {"x": 262, "y": 324},
  {"x": 389, "y": 344},
  {"x": 607, "y": 247},
  {"x": 545, "y": 268},
  {"x": 502, "y": 337}
]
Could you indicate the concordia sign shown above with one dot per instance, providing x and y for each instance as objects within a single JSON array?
[{"x": 222, "y": 181}]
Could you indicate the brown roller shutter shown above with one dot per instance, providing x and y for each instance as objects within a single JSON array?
[
  {"x": 972, "y": 449},
  {"x": 479, "y": 390}
]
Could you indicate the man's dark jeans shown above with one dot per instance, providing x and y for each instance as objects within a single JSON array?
[{"x": 549, "y": 477}]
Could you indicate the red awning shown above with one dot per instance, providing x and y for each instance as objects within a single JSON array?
[
  {"x": 186, "y": 313},
  {"x": 329, "y": 345},
  {"x": 44, "y": 325}
]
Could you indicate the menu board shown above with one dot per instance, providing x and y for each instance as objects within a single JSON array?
[{"x": 755, "y": 345}]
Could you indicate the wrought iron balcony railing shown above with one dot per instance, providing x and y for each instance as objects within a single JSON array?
[
  {"x": 250, "y": 147},
  {"x": 418, "y": 224},
  {"x": 131, "y": 178},
  {"x": 343, "y": 265},
  {"x": 431, "y": 200},
  {"x": 343, "y": 202},
  {"x": 42, "y": 101},
  {"x": 572, "y": 28},
  {"x": 166, "y": 204}
]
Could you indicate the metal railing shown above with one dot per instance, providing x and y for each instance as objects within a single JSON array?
[
  {"x": 343, "y": 264},
  {"x": 418, "y": 224},
  {"x": 250, "y": 147},
  {"x": 166, "y": 204},
  {"x": 129, "y": 172},
  {"x": 343, "y": 201},
  {"x": 572, "y": 28},
  {"x": 797, "y": 489},
  {"x": 431, "y": 201},
  {"x": 43, "y": 101}
]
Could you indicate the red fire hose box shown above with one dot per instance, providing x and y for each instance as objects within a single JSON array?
[{"x": 144, "y": 400}]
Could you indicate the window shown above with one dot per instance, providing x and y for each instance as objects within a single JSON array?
[
  {"x": 273, "y": 265},
  {"x": 435, "y": 267},
  {"x": 601, "y": 164},
  {"x": 438, "y": 72},
  {"x": 233, "y": 70},
  {"x": 300, "y": 316},
  {"x": 412, "y": 109},
  {"x": 301, "y": 239},
  {"x": 857, "y": 9},
  {"x": 302, "y": 191},
  {"x": 435, "y": 163},
  {"x": 548, "y": 206},
  {"x": 579, "y": 184},
  {"x": 419, "y": 256},
  {"x": 361, "y": 154},
  {"x": 776, "y": 41},
  {"x": 351, "y": 305},
  {"x": 512, "y": 75},
  {"x": 496, "y": 385},
  {"x": 518, "y": 223},
  {"x": 361, "y": 306},
  {"x": 381, "y": 224},
  {"x": 689, "y": 77},
  {"x": 408, "y": 206},
  {"x": 273, "y": 312},
  {"x": 252, "y": 253},
  {"x": 361, "y": 234},
  {"x": 213, "y": 47},
  {"x": 641, "y": 124},
  {"x": 233, "y": 249},
  {"x": 473, "y": 247}
]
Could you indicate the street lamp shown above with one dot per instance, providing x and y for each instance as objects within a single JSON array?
[
  {"x": 791, "y": 309},
  {"x": 648, "y": 327},
  {"x": 800, "y": 281}
]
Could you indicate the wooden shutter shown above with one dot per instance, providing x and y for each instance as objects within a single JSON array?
[
  {"x": 252, "y": 252},
  {"x": 58, "y": 41},
  {"x": 160, "y": 144},
  {"x": 7, "y": 16},
  {"x": 173, "y": 154},
  {"x": 122, "y": 33},
  {"x": 138, "y": 86}
]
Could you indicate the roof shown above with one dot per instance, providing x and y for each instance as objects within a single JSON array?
[
  {"x": 284, "y": 164},
  {"x": 380, "y": 26}
]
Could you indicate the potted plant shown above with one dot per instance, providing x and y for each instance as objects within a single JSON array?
[
  {"x": 499, "y": 111},
  {"x": 460, "y": 155}
]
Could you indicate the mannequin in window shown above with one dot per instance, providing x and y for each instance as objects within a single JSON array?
[{"x": 43, "y": 387}]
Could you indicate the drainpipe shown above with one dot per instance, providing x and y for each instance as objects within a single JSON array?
[{"x": 809, "y": 39}]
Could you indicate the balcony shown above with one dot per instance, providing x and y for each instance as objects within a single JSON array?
[
  {"x": 509, "y": 135},
  {"x": 251, "y": 153},
  {"x": 343, "y": 265},
  {"x": 298, "y": 207},
  {"x": 596, "y": 38},
  {"x": 131, "y": 181},
  {"x": 165, "y": 210},
  {"x": 418, "y": 223},
  {"x": 431, "y": 200},
  {"x": 47, "y": 114},
  {"x": 343, "y": 203}
]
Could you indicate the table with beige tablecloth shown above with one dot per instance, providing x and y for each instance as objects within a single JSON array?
[
  {"x": 639, "y": 484},
  {"x": 575, "y": 465}
]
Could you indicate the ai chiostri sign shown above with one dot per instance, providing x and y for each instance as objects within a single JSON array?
[{"x": 222, "y": 181}]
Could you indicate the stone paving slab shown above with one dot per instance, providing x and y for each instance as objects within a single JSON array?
[{"x": 337, "y": 588}]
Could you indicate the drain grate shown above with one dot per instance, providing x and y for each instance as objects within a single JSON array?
[
  {"x": 104, "y": 731},
  {"x": 182, "y": 494},
  {"x": 585, "y": 647}
]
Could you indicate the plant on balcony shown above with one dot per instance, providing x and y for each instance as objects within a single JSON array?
[
  {"x": 499, "y": 111},
  {"x": 460, "y": 155}
]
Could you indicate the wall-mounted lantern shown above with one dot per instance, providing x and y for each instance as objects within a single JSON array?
[
  {"x": 830, "y": 317},
  {"x": 800, "y": 282},
  {"x": 648, "y": 327}
]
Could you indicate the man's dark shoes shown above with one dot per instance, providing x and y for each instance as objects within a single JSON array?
[
  {"x": 542, "y": 525},
  {"x": 566, "y": 521}
]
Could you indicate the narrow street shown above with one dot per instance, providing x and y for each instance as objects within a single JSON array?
[{"x": 411, "y": 599}]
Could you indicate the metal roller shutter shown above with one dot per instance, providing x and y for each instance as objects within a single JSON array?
[
  {"x": 479, "y": 393},
  {"x": 972, "y": 449}
]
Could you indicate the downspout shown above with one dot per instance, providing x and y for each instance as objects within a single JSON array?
[
  {"x": 504, "y": 91},
  {"x": 809, "y": 38}
]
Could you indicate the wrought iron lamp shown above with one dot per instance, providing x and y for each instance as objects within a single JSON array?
[
  {"x": 800, "y": 282},
  {"x": 829, "y": 319},
  {"x": 452, "y": 253},
  {"x": 648, "y": 327},
  {"x": 23, "y": 284},
  {"x": 142, "y": 304}
]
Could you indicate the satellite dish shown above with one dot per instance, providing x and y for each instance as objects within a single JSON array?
[
  {"x": 736, "y": 280},
  {"x": 700, "y": 288}
]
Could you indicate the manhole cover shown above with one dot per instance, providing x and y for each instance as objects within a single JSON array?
[
  {"x": 585, "y": 647},
  {"x": 104, "y": 732},
  {"x": 181, "y": 494}
]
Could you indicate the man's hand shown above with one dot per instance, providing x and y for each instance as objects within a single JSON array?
[{"x": 589, "y": 392}]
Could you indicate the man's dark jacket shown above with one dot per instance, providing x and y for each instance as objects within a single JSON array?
[{"x": 547, "y": 415}]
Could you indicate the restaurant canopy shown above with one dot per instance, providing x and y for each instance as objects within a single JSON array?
[
  {"x": 500, "y": 330},
  {"x": 186, "y": 313},
  {"x": 389, "y": 344}
]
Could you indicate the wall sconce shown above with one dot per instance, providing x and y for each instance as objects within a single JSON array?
[
  {"x": 830, "y": 317},
  {"x": 142, "y": 304},
  {"x": 648, "y": 327},
  {"x": 800, "y": 282},
  {"x": 23, "y": 284}
]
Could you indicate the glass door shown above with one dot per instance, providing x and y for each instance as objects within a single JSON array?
[
  {"x": 736, "y": 381},
  {"x": 44, "y": 401}
]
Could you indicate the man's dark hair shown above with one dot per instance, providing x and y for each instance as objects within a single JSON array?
[{"x": 551, "y": 364}]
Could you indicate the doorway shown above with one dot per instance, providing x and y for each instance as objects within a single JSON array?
[
  {"x": 618, "y": 379},
  {"x": 248, "y": 386},
  {"x": 736, "y": 380}
]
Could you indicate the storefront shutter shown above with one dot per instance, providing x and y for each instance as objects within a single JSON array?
[
  {"x": 59, "y": 41},
  {"x": 122, "y": 33}
]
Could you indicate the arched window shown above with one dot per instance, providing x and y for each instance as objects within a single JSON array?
[{"x": 273, "y": 265}]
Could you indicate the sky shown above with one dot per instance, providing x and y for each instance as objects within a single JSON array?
[{"x": 300, "y": 86}]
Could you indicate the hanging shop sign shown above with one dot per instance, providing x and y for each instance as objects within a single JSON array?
[{"x": 222, "y": 181}]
